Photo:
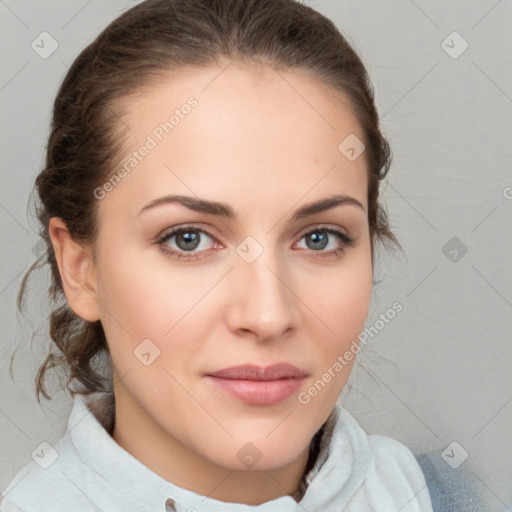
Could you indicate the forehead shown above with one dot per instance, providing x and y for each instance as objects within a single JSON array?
[
  {"x": 229, "y": 93},
  {"x": 251, "y": 130}
]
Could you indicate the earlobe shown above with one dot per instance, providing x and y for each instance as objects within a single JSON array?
[{"x": 77, "y": 272}]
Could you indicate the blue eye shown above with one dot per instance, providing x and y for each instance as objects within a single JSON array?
[
  {"x": 320, "y": 238},
  {"x": 189, "y": 239}
]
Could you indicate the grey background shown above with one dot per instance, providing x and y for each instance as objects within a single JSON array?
[{"x": 440, "y": 371}]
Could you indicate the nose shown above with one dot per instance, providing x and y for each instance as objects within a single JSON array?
[{"x": 263, "y": 301}]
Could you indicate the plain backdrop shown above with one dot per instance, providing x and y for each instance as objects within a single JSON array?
[{"x": 437, "y": 377}]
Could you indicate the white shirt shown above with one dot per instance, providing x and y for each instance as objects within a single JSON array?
[{"x": 358, "y": 473}]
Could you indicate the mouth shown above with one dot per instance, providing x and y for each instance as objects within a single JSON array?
[{"x": 256, "y": 385}]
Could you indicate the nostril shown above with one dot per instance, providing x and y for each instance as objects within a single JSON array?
[{"x": 169, "y": 505}]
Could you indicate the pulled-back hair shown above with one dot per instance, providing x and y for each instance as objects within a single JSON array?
[{"x": 146, "y": 44}]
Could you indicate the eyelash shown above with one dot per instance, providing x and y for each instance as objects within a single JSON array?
[{"x": 346, "y": 240}]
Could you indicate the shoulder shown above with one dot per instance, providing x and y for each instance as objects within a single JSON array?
[
  {"x": 79, "y": 473},
  {"x": 451, "y": 490},
  {"x": 393, "y": 479},
  {"x": 385, "y": 453},
  {"x": 46, "y": 483},
  {"x": 393, "y": 455},
  {"x": 396, "y": 468}
]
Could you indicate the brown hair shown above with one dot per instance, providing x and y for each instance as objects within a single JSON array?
[{"x": 145, "y": 43}]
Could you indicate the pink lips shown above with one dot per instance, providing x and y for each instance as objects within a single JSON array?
[{"x": 259, "y": 386}]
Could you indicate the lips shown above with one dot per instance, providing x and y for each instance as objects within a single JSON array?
[
  {"x": 250, "y": 372},
  {"x": 256, "y": 385}
]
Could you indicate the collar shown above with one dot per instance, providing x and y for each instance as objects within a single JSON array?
[{"x": 339, "y": 470}]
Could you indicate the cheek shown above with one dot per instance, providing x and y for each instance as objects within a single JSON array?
[
  {"x": 133, "y": 301},
  {"x": 343, "y": 302},
  {"x": 150, "y": 301}
]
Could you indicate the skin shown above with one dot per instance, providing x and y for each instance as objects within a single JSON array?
[{"x": 265, "y": 143}]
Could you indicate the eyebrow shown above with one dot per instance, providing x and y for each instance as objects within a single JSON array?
[{"x": 224, "y": 210}]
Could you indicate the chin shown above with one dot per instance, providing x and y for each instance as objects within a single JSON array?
[{"x": 259, "y": 454}]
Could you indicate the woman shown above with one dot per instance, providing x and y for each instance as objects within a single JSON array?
[{"x": 210, "y": 205}]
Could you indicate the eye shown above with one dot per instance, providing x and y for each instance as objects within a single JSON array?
[
  {"x": 321, "y": 237},
  {"x": 191, "y": 242},
  {"x": 187, "y": 240}
]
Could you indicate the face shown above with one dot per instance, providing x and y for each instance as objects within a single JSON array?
[{"x": 249, "y": 282}]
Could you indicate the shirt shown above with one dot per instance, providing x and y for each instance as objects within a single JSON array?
[{"x": 88, "y": 471}]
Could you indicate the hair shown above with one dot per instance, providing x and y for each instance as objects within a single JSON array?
[{"x": 143, "y": 45}]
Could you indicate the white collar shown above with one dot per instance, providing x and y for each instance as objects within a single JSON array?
[{"x": 332, "y": 482}]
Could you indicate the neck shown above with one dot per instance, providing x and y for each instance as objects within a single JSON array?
[{"x": 169, "y": 458}]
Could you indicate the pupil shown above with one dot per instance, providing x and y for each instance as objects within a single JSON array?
[
  {"x": 322, "y": 239},
  {"x": 189, "y": 237}
]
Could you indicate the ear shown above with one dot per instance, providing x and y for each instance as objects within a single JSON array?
[{"x": 77, "y": 271}]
